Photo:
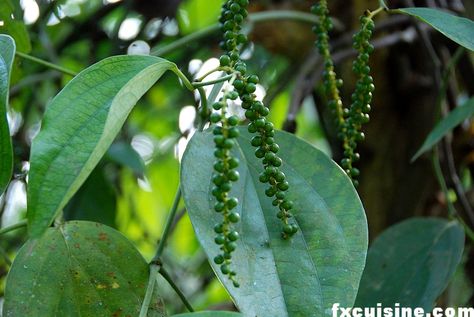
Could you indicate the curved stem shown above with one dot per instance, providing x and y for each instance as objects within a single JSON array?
[
  {"x": 170, "y": 281},
  {"x": 154, "y": 269},
  {"x": 45, "y": 63},
  {"x": 252, "y": 18},
  {"x": 18, "y": 225},
  {"x": 183, "y": 77},
  {"x": 212, "y": 82},
  {"x": 217, "y": 69}
]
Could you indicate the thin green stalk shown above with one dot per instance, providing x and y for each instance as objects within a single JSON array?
[
  {"x": 442, "y": 182},
  {"x": 217, "y": 69},
  {"x": 212, "y": 82},
  {"x": 18, "y": 225},
  {"x": 453, "y": 213},
  {"x": 183, "y": 78},
  {"x": 45, "y": 63},
  {"x": 252, "y": 18},
  {"x": 170, "y": 281},
  {"x": 169, "y": 222},
  {"x": 154, "y": 269}
]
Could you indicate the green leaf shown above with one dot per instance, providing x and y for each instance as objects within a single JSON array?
[
  {"x": 79, "y": 125},
  {"x": 455, "y": 117},
  {"x": 210, "y": 314},
  {"x": 194, "y": 15},
  {"x": 77, "y": 269},
  {"x": 14, "y": 26},
  {"x": 304, "y": 276},
  {"x": 124, "y": 154},
  {"x": 411, "y": 263},
  {"x": 383, "y": 4},
  {"x": 460, "y": 30},
  {"x": 7, "y": 54}
]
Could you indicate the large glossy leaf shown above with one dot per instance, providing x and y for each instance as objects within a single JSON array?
[
  {"x": 460, "y": 30},
  {"x": 14, "y": 26},
  {"x": 7, "y": 54},
  {"x": 455, "y": 117},
  {"x": 210, "y": 314},
  {"x": 304, "y": 276},
  {"x": 79, "y": 125},
  {"x": 77, "y": 269},
  {"x": 411, "y": 263}
]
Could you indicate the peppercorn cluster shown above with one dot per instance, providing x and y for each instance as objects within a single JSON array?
[
  {"x": 358, "y": 113},
  {"x": 245, "y": 85},
  {"x": 349, "y": 121},
  {"x": 225, "y": 173},
  {"x": 331, "y": 82}
]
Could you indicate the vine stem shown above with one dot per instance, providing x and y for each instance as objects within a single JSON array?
[
  {"x": 154, "y": 269},
  {"x": 170, "y": 281},
  {"x": 18, "y": 225},
  {"x": 453, "y": 213},
  {"x": 166, "y": 231},
  {"x": 252, "y": 18},
  {"x": 212, "y": 82},
  {"x": 45, "y": 63}
]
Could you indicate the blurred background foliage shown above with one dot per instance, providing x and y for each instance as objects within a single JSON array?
[{"x": 133, "y": 187}]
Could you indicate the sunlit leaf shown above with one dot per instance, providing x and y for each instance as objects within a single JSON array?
[
  {"x": 455, "y": 117},
  {"x": 77, "y": 269},
  {"x": 7, "y": 54},
  {"x": 411, "y": 263},
  {"x": 78, "y": 127},
  {"x": 304, "y": 276},
  {"x": 194, "y": 15},
  {"x": 14, "y": 26},
  {"x": 460, "y": 30}
]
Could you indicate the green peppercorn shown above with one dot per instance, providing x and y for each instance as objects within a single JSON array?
[
  {"x": 219, "y": 259},
  {"x": 224, "y": 60},
  {"x": 234, "y": 217}
]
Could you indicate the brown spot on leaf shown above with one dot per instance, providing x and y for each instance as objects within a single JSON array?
[{"x": 103, "y": 236}]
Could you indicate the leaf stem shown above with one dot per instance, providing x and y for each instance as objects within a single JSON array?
[
  {"x": 154, "y": 269},
  {"x": 212, "y": 82},
  {"x": 183, "y": 78},
  {"x": 252, "y": 18},
  {"x": 18, "y": 225},
  {"x": 45, "y": 63},
  {"x": 217, "y": 69},
  {"x": 170, "y": 281}
]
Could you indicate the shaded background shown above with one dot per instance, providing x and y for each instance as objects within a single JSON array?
[{"x": 133, "y": 187}]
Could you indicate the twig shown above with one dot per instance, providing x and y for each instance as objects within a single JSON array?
[
  {"x": 154, "y": 269},
  {"x": 166, "y": 231},
  {"x": 313, "y": 63},
  {"x": 253, "y": 18},
  {"x": 181, "y": 295},
  {"x": 45, "y": 63},
  {"x": 18, "y": 225}
]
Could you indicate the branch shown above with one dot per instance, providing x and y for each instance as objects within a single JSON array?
[
  {"x": 45, "y": 63},
  {"x": 253, "y": 18}
]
